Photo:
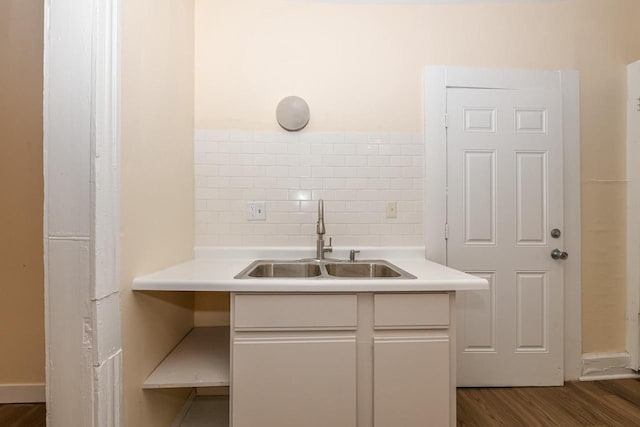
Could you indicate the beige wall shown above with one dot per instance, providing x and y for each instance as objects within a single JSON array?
[
  {"x": 359, "y": 67},
  {"x": 21, "y": 193},
  {"x": 157, "y": 193}
]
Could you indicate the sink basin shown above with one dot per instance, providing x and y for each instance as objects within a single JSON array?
[
  {"x": 361, "y": 269},
  {"x": 283, "y": 270},
  {"x": 325, "y": 269}
]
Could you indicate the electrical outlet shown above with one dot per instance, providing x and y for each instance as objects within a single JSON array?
[
  {"x": 392, "y": 210},
  {"x": 257, "y": 211}
]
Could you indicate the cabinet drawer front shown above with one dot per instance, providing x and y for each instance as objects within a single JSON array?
[
  {"x": 260, "y": 312},
  {"x": 411, "y": 310}
]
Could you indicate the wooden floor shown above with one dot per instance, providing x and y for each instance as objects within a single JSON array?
[
  {"x": 24, "y": 415},
  {"x": 597, "y": 403}
]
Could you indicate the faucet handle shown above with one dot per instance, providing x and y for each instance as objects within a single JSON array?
[
  {"x": 328, "y": 248},
  {"x": 352, "y": 255}
]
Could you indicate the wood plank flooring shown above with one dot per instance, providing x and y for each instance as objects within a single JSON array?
[
  {"x": 614, "y": 403},
  {"x": 23, "y": 415},
  {"x": 586, "y": 404}
]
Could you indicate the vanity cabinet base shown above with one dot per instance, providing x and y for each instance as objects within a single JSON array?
[{"x": 343, "y": 360}]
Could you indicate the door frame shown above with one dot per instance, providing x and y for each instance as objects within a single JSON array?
[
  {"x": 633, "y": 210},
  {"x": 437, "y": 80}
]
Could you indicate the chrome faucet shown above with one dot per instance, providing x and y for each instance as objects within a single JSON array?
[{"x": 321, "y": 249}]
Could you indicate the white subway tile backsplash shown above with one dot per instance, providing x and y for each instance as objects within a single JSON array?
[
  {"x": 355, "y": 161},
  {"x": 321, "y": 148},
  {"x": 390, "y": 150},
  {"x": 322, "y": 172},
  {"x": 288, "y": 183},
  {"x": 200, "y": 158},
  {"x": 240, "y": 136},
  {"x": 344, "y": 149},
  {"x": 400, "y": 160},
  {"x": 355, "y": 173},
  {"x": 345, "y": 172},
  {"x": 412, "y": 150},
  {"x": 391, "y": 172},
  {"x": 378, "y": 160},
  {"x": 275, "y": 148},
  {"x": 299, "y": 195},
  {"x": 281, "y": 171},
  {"x": 368, "y": 172},
  {"x": 323, "y": 194},
  {"x": 368, "y": 149},
  {"x": 337, "y": 183},
  {"x": 412, "y": 172},
  {"x": 379, "y": 138},
  {"x": 300, "y": 171},
  {"x": 332, "y": 160},
  {"x": 401, "y": 138},
  {"x": 332, "y": 137},
  {"x": 201, "y": 205}
]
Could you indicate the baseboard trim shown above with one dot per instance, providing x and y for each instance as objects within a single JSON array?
[
  {"x": 22, "y": 393},
  {"x": 607, "y": 366}
]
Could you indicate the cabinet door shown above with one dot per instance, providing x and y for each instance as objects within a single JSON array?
[
  {"x": 305, "y": 381},
  {"x": 411, "y": 381}
]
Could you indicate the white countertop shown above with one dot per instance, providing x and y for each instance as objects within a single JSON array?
[{"x": 213, "y": 269}]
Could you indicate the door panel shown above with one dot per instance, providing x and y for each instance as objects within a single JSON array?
[
  {"x": 531, "y": 308},
  {"x": 480, "y": 197},
  {"x": 480, "y": 316},
  {"x": 504, "y": 196},
  {"x": 531, "y": 198}
]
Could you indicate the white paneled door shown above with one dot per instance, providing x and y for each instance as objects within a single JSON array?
[{"x": 505, "y": 218}]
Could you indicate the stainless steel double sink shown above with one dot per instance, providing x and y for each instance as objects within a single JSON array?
[{"x": 323, "y": 269}]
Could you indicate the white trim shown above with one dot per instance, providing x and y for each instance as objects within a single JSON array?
[
  {"x": 633, "y": 211},
  {"x": 45, "y": 202},
  {"x": 22, "y": 393},
  {"x": 435, "y": 197},
  {"x": 570, "y": 84},
  {"x": 437, "y": 80},
  {"x": 105, "y": 215},
  {"x": 81, "y": 231},
  {"x": 606, "y": 366}
]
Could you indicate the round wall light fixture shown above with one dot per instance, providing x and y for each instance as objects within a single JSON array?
[{"x": 292, "y": 113}]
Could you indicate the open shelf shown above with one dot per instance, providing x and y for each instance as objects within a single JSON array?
[
  {"x": 201, "y": 359},
  {"x": 210, "y": 411}
]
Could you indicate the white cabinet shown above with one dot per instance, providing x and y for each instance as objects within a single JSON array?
[
  {"x": 411, "y": 381},
  {"x": 294, "y": 360},
  {"x": 412, "y": 375},
  {"x": 303, "y": 380},
  {"x": 318, "y": 360}
]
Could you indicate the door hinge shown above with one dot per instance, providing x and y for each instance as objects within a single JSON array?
[
  {"x": 446, "y": 232},
  {"x": 446, "y": 120}
]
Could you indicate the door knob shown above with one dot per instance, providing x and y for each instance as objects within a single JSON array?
[{"x": 558, "y": 254}]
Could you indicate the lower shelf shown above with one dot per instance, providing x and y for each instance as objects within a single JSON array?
[
  {"x": 201, "y": 359},
  {"x": 210, "y": 411}
]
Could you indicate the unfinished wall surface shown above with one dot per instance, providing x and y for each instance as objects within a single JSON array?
[
  {"x": 22, "y": 358},
  {"x": 157, "y": 193},
  {"x": 359, "y": 66}
]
